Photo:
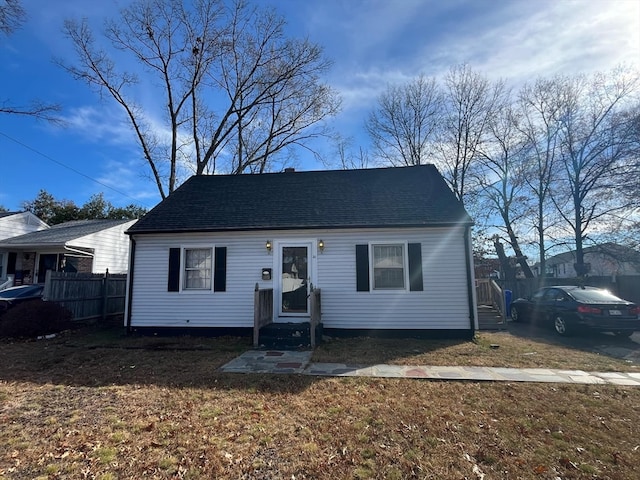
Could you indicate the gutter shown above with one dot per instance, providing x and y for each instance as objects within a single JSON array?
[
  {"x": 132, "y": 258},
  {"x": 80, "y": 252},
  {"x": 470, "y": 286}
]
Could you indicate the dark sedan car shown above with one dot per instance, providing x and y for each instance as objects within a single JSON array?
[
  {"x": 15, "y": 295},
  {"x": 572, "y": 308}
]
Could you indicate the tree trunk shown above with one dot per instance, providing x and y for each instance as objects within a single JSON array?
[{"x": 507, "y": 269}]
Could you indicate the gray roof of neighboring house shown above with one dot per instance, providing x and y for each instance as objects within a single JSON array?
[
  {"x": 8, "y": 214},
  {"x": 399, "y": 197},
  {"x": 60, "y": 234},
  {"x": 612, "y": 250}
]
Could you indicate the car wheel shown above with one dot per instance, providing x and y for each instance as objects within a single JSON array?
[
  {"x": 623, "y": 333},
  {"x": 516, "y": 314},
  {"x": 560, "y": 325}
]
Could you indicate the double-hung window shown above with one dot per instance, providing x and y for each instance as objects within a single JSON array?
[
  {"x": 197, "y": 269},
  {"x": 388, "y": 266}
]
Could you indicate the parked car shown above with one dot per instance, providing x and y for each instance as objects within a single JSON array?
[
  {"x": 572, "y": 308},
  {"x": 15, "y": 295}
]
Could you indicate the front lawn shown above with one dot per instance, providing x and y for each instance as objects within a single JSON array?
[{"x": 108, "y": 407}]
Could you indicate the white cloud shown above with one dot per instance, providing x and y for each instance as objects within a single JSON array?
[
  {"x": 127, "y": 176},
  {"x": 554, "y": 37}
]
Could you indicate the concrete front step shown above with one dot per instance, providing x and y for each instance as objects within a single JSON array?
[{"x": 288, "y": 336}]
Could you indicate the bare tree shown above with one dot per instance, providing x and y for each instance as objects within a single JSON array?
[
  {"x": 279, "y": 99},
  {"x": 470, "y": 101},
  {"x": 599, "y": 133},
  {"x": 348, "y": 159},
  {"x": 503, "y": 183},
  {"x": 12, "y": 17},
  {"x": 236, "y": 91},
  {"x": 540, "y": 105},
  {"x": 402, "y": 127}
]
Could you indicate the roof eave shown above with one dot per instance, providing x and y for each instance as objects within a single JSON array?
[{"x": 464, "y": 223}]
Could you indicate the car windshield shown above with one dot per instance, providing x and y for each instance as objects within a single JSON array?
[{"x": 594, "y": 296}]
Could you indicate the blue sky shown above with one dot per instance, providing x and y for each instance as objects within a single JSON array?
[{"x": 373, "y": 43}]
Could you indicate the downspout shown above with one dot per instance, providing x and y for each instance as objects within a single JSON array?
[
  {"x": 132, "y": 261},
  {"x": 470, "y": 286}
]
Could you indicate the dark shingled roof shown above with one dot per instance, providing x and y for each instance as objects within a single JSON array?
[
  {"x": 384, "y": 197},
  {"x": 61, "y": 233},
  {"x": 8, "y": 214}
]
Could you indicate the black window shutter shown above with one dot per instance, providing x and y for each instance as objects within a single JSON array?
[
  {"x": 415, "y": 267},
  {"x": 220, "y": 272},
  {"x": 362, "y": 268},
  {"x": 174, "y": 270}
]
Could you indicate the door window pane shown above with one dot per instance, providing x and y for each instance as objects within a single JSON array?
[{"x": 294, "y": 279}]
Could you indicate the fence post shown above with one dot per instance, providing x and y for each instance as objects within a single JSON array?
[{"x": 105, "y": 296}]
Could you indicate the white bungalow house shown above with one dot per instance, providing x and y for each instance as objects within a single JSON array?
[
  {"x": 13, "y": 224},
  {"x": 87, "y": 246},
  {"x": 389, "y": 248}
]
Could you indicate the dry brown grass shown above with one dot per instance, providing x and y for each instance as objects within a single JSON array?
[
  {"x": 487, "y": 350},
  {"x": 106, "y": 407}
]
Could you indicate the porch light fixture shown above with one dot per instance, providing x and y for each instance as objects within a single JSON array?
[
  {"x": 321, "y": 245},
  {"x": 268, "y": 245}
]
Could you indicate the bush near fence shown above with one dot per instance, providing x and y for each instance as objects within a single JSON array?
[
  {"x": 624, "y": 286},
  {"x": 89, "y": 296}
]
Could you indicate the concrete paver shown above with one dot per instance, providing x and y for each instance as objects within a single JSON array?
[{"x": 299, "y": 362}]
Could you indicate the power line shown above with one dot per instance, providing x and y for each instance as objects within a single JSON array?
[{"x": 28, "y": 147}]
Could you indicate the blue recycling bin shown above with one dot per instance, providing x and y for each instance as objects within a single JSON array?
[{"x": 507, "y": 301}]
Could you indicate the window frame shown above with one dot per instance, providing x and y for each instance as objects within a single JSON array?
[
  {"x": 183, "y": 269},
  {"x": 405, "y": 266}
]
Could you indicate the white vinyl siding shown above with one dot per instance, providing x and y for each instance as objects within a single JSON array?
[
  {"x": 443, "y": 303},
  {"x": 110, "y": 248},
  {"x": 19, "y": 224}
]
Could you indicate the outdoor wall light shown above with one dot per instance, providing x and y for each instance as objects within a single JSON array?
[
  {"x": 321, "y": 245},
  {"x": 268, "y": 245}
]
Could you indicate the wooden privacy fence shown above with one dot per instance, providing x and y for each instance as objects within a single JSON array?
[
  {"x": 624, "y": 286},
  {"x": 87, "y": 295}
]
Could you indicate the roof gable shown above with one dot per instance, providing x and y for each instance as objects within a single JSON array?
[
  {"x": 62, "y": 233},
  {"x": 385, "y": 197}
]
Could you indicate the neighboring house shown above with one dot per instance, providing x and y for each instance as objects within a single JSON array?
[
  {"x": 90, "y": 246},
  {"x": 607, "y": 259},
  {"x": 13, "y": 224},
  {"x": 389, "y": 248}
]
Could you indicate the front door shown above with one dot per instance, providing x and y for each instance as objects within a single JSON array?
[
  {"x": 47, "y": 261},
  {"x": 294, "y": 279}
]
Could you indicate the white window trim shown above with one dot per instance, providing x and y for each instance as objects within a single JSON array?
[
  {"x": 405, "y": 267},
  {"x": 183, "y": 263}
]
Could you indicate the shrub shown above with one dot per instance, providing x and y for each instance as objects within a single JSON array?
[{"x": 34, "y": 318}]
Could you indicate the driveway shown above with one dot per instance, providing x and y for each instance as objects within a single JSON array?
[{"x": 604, "y": 343}]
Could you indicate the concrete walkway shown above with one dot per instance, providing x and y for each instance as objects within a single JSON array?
[{"x": 299, "y": 362}]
